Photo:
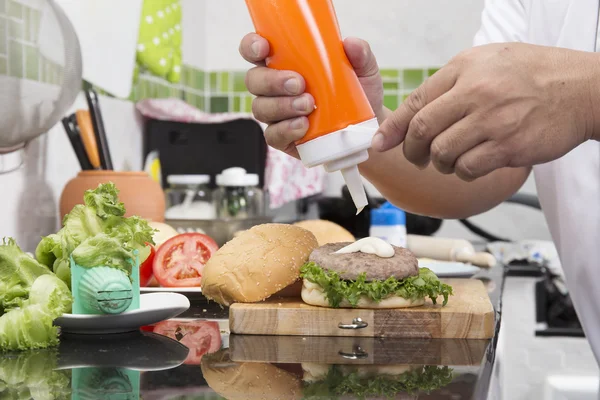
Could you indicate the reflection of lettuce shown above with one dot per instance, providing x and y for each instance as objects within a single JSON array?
[
  {"x": 339, "y": 383},
  {"x": 31, "y": 375},
  {"x": 30, "y": 326},
  {"x": 96, "y": 234}
]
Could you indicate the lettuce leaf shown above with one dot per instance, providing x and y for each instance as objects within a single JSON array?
[
  {"x": 336, "y": 289},
  {"x": 30, "y": 326},
  {"x": 98, "y": 226},
  {"x": 337, "y": 383},
  {"x": 18, "y": 271}
]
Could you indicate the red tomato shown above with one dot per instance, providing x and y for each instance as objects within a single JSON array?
[
  {"x": 200, "y": 337},
  {"x": 146, "y": 267},
  {"x": 180, "y": 260}
]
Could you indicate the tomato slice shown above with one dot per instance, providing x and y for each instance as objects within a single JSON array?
[
  {"x": 146, "y": 268},
  {"x": 200, "y": 337},
  {"x": 179, "y": 261}
]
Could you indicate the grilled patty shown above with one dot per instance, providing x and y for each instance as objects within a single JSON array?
[{"x": 402, "y": 265}]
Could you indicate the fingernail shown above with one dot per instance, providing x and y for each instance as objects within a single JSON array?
[
  {"x": 297, "y": 124},
  {"x": 300, "y": 104},
  {"x": 292, "y": 86},
  {"x": 255, "y": 47},
  {"x": 378, "y": 141}
]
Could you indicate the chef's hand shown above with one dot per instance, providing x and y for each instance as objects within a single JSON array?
[
  {"x": 281, "y": 102},
  {"x": 494, "y": 106}
]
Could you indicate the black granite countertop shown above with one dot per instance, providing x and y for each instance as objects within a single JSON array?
[{"x": 194, "y": 357}]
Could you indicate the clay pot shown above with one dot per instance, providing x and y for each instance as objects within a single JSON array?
[{"x": 141, "y": 195}]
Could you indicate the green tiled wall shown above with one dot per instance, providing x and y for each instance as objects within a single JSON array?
[{"x": 211, "y": 91}]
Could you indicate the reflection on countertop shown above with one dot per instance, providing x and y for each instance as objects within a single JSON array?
[{"x": 195, "y": 357}]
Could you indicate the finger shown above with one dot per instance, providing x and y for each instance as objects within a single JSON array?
[
  {"x": 254, "y": 49},
  {"x": 361, "y": 57},
  {"x": 455, "y": 141},
  {"x": 263, "y": 81},
  {"x": 393, "y": 131},
  {"x": 428, "y": 123},
  {"x": 481, "y": 160},
  {"x": 275, "y": 109},
  {"x": 283, "y": 135}
]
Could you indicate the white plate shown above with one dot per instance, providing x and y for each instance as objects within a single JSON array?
[
  {"x": 446, "y": 269},
  {"x": 170, "y": 290},
  {"x": 154, "y": 307}
]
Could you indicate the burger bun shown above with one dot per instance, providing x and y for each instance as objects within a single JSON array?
[{"x": 326, "y": 231}]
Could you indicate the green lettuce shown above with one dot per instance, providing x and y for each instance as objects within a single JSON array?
[
  {"x": 18, "y": 271},
  {"x": 336, "y": 289},
  {"x": 338, "y": 383},
  {"x": 31, "y": 325},
  {"x": 33, "y": 375},
  {"x": 96, "y": 233}
]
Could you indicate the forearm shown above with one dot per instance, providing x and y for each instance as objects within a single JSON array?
[{"x": 431, "y": 193}]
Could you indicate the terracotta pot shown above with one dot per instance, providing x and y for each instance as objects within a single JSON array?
[{"x": 141, "y": 195}]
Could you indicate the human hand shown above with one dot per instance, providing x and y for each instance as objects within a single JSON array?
[
  {"x": 281, "y": 101},
  {"x": 495, "y": 106}
]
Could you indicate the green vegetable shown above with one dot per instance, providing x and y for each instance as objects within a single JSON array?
[
  {"x": 96, "y": 233},
  {"x": 32, "y": 375},
  {"x": 337, "y": 383},
  {"x": 426, "y": 284},
  {"x": 30, "y": 326},
  {"x": 18, "y": 271}
]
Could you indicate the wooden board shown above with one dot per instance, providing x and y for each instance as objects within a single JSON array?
[
  {"x": 468, "y": 315},
  {"x": 356, "y": 350}
]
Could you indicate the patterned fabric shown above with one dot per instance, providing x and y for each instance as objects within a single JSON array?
[
  {"x": 286, "y": 178},
  {"x": 159, "y": 42}
]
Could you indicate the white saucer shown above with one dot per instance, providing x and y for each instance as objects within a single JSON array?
[
  {"x": 446, "y": 269},
  {"x": 154, "y": 307},
  {"x": 170, "y": 289}
]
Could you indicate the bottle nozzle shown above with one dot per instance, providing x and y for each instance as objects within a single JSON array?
[{"x": 355, "y": 187}]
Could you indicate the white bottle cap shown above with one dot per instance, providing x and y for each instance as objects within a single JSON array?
[
  {"x": 236, "y": 176},
  {"x": 343, "y": 151}
]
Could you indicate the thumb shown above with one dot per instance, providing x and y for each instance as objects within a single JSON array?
[{"x": 361, "y": 57}]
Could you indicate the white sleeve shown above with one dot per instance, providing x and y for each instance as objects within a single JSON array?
[{"x": 502, "y": 21}]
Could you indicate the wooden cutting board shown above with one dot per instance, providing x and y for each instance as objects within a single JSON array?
[{"x": 469, "y": 314}]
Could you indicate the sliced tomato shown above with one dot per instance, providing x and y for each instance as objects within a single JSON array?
[
  {"x": 146, "y": 268},
  {"x": 179, "y": 261},
  {"x": 200, "y": 337}
]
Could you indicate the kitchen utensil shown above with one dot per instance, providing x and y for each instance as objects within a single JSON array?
[
  {"x": 98, "y": 124},
  {"x": 469, "y": 314},
  {"x": 444, "y": 249},
  {"x": 141, "y": 195},
  {"x": 356, "y": 350},
  {"x": 154, "y": 307},
  {"x": 28, "y": 107},
  {"x": 445, "y": 269},
  {"x": 76, "y": 143},
  {"x": 86, "y": 131}
]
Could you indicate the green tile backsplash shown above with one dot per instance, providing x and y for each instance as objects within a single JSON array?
[{"x": 210, "y": 91}]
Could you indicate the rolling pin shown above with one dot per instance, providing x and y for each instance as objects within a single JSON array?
[{"x": 444, "y": 249}]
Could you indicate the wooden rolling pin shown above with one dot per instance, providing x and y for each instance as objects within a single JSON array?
[{"x": 444, "y": 249}]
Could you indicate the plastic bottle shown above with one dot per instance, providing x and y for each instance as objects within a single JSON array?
[
  {"x": 304, "y": 37},
  {"x": 389, "y": 223}
]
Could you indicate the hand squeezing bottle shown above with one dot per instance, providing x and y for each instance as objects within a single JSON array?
[{"x": 304, "y": 37}]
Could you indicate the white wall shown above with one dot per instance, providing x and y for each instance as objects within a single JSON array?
[{"x": 403, "y": 33}]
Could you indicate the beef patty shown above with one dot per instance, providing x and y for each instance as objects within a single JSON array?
[{"x": 402, "y": 265}]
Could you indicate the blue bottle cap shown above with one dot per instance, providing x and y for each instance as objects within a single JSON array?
[{"x": 388, "y": 215}]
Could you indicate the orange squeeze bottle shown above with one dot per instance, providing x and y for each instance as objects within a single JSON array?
[{"x": 305, "y": 37}]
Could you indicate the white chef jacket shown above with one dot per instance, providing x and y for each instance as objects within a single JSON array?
[{"x": 568, "y": 188}]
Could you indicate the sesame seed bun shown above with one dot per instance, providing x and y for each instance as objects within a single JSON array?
[
  {"x": 326, "y": 231},
  {"x": 256, "y": 264}
]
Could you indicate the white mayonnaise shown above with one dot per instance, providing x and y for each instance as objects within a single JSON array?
[{"x": 370, "y": 245}]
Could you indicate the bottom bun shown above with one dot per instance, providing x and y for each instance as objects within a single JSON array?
[{"x": 313, "y": 294}]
